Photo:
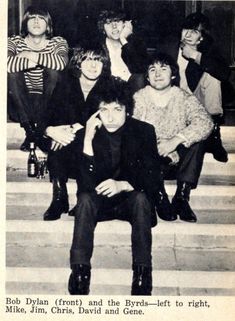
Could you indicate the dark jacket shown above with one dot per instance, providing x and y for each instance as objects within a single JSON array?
[
  {"x": 211, "y": 60},
  {"x": 139, "y": 161},
  {"x": 134, "y": 54},
  {"x": 68, "y": 106}
]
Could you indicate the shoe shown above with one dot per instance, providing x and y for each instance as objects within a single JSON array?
[
  {"x": 59, "y": 204},
  {"x": 180, "y": 203},
  {"x": 163, "y": 206},
  {"x": 214, "y": 143},
  {"x": 142, "y": 280},
  {"x": 79, "y": 280},
  {"x": 25, "y": 145},
  {"x": 72, "y": 211},
  {"x": 30, "y": 136},
  {"x": 182, "y": 208}
]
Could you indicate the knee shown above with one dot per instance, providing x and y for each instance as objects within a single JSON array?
[
  {"x": 85, "y": 201},
  {"x": 85, "y": 208},
  {"x": 14, "y": 78},
  {"x": 52, "y": 75},
  {"x": 141, "y": 206},
  {"x": 140, "y": 198}
]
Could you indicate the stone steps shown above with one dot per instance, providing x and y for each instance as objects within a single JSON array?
[
  {"x": 188, "y": 259},
  {"x": 17, "y": 162},
  {"x": 35, "y": 213},
  {"x": 205, "y": 197},
  {"x": 28, "y": 281}
]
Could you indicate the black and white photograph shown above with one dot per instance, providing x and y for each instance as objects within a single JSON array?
[{"x": 118, "y": 160}]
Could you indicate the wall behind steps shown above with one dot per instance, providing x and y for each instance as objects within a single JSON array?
[{"x": 74, "y": 19}]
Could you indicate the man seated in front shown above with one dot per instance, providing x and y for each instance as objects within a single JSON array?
[{"x": 118, "y": 175}]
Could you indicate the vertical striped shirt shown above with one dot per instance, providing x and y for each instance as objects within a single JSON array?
[{"x": 53, "y": 56}]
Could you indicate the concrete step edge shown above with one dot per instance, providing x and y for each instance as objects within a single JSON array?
[
  {"x": 29, "y": 187},
  {"x": 161, "y": 278},
  {"x": 17, "y": 154},
  {"x": 119, "y": 227}
]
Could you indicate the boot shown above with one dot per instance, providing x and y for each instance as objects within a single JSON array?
[
  {"x": 180, "y": 203},
  {"x": 30, "y": 136},
  {"x": 59, "y": 202},
  {"x": 72, "y": 211},
  {"x": 214, "y": 143},
  {"x": 79, "y": 280},
  {"x": 163, "y": 206},
  {"x": 142, "y": 280}
]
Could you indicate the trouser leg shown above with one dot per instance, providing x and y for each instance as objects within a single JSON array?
[
  {"x": 190, "y": 164},
  {"x": 84, "y": 227},
  {"x": 20, "y": 97},
  {"x": 141, "y": 237}
]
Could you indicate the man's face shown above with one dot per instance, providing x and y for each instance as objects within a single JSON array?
[
  {"x": 113, "y": 28},
  {"x": 159, "y": 76},
  {"x": 191, "y": 37},
  {"x": 112, "y": 115},
  {"x": 91, "y": 67},
  {"x": 36, "y": 25}
]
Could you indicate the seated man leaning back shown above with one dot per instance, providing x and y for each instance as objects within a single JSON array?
[
  {"x": 118, "y": 177},
  {"x": 181, "y": 124}
]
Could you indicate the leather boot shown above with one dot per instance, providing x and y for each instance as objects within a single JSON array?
[
  {"x": 214, "y": 143},
  {"x": 79, "y": 280},
  {"x": 30, "y": 136},
  {"x": 142, "y": 280},
  {"x": 72, "y": 211},
  {"x": 59, "y": 202},
  {"x": 163, "y": 206},
  {"x": 180, "y": 203}
]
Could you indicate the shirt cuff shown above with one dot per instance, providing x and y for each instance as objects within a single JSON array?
[{"x": 186, "y": 141}]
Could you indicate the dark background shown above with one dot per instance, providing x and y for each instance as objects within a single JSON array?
[{"x": 152, "y": 19}]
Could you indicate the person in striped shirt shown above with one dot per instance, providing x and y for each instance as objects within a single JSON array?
[{"x": 35, "y": 60}]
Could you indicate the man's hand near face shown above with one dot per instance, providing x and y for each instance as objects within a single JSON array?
[
  {"x": 91, "y": 126},
  {"x": 126, "y": 32},
  {"x": 190, "y": 52}
]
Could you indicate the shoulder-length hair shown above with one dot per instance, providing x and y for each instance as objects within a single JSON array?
[
  {"x": 84, "y": 51},
  {"x": 31, "y": 11}
]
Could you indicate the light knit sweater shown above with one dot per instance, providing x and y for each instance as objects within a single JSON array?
[{"x": 183, "y": 115}]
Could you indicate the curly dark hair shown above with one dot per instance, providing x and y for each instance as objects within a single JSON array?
[
  {"x": 117, "y": 90},
  {"x": 108, "y": 16}
]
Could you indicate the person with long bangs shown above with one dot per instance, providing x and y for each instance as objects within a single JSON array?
[
  {"x": 126, "y": 51},
  {"x": 74, "y": 100},
  {"x": 35, "y": 61},
  {"x": 182, "y": 125}
]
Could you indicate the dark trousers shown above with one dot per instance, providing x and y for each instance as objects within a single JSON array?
[
  {"x": 189, "y": 168},
  {"x": 24, "y": 107},
  {"x": 62, "y": 164},
  {"x": 129, "y": 206}
]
